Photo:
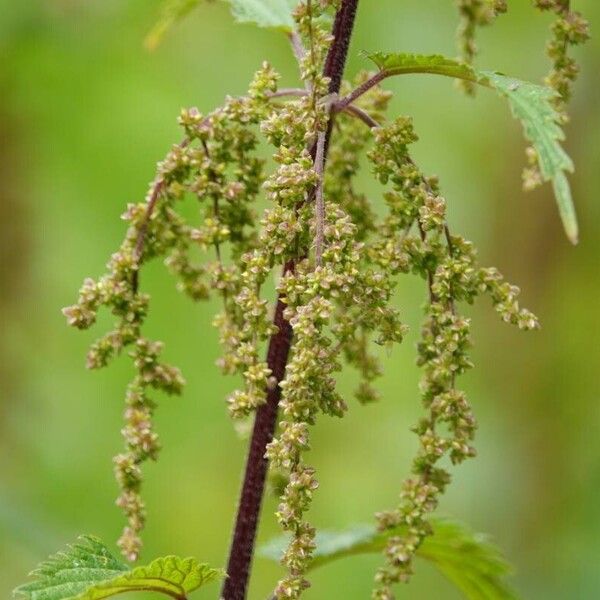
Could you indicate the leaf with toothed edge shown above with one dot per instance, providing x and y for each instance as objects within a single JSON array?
[
  {"x": 88, "y": 571},
  {"x": 467, "y": 559},
  {"x": 265, "y": 13},
  {"x": 531, "y": 104},
  {"x": 274, "y": 14}
]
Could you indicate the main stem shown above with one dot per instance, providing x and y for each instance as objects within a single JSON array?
[{"x": 244, "y": 535}]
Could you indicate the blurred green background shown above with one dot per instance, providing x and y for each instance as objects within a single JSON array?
[{"x": 85, "y": 112}]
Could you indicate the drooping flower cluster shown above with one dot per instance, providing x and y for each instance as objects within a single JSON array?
[
  {"x": 314, "y": 294},
  {"x": 447, "y": 263},
  {"x": 343, "y": 164},
  {"x": 569, "y": 29},
  {"x": 214, "y": 164},
  {"x": 117, "y": 290},
  {"x": 295, "y": 132},
  {"x": 474, "y": 14}
]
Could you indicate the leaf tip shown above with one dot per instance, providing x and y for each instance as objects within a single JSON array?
[{"x": 566, "y": 208}]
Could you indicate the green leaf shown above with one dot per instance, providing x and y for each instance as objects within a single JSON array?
[
  {"x": 172, "y": 11},
  {"x": 530, "y": 103},
  {"x": 88, "y": 571},
  {"x": 467, "y": 559},
  {"x": 265, "y": 13},
  {"x": 275, "y": 14},
  {"x": 399, "y": 64}
]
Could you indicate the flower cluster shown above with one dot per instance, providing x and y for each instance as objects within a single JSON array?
[
  {"x": 214, "y": 164},
  {"x": 569, "y": 29},
  {"x": 285, "y": 235},
  {"x": 343, "y": 162},
  {"x": 118, "y": 291},
  {"x": 448, "y": 265},
  {"x": 314, "y": 295},
  {"x": 341, "y": 260},
  {"x": 474, "y": 14}
]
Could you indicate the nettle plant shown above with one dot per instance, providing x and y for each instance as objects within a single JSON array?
[{"x": 338, "y": 261}]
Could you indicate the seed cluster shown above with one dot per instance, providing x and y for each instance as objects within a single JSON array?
[{"x": 117, "y": 290}]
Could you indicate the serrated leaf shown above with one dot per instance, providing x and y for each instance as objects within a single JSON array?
[
  {"x": 265, "y": 13},
  {"x": 467, "y": 559},
  {"x": 530, "y": 103},
  {"x": 275, "y": 14},
  {"x": 88, "y": 571},
  {"x": 172, "y": 11}
]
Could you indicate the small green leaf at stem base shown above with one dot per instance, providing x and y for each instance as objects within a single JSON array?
[
  {"x": 88, "y": 571},
  {"x": 265, "y": 13}
]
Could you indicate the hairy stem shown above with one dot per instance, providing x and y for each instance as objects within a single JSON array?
[
  {"x": 244, "y": 535},
  {"x": 319, "y": 200},
  {"x": 297, "y": 46}
]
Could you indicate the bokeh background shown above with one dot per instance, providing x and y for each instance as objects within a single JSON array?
[{"x": 86, "y": 111}]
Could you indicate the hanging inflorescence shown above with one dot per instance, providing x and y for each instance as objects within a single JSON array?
[
  {"x": 448, "y": 264},
  {"x": 214, "y": 164},
  {"x": 568, "y": 30},
  {"x": 340, "y": 258},
  {"x": 474, "y": 14}
]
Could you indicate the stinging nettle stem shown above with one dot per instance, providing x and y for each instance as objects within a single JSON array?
[{"x": 244, "y": 535}]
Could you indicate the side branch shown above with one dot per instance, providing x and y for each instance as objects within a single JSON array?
[
  {"x": 360, "y": 90},
  {"x": 444, "y": 70},
  {"x": 157, "y": 189}
]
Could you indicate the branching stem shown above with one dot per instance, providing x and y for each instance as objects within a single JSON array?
[
  {"x": 297, "y": 46},
  {"x": 456, "y": 71},
  {"x": 361, "y": 114},
  {"x": 244, "y": 535},
  {"x": 361, "y": 90},
  {"x": 157, "y": 190},
  {"x": 283, "y": 92}
]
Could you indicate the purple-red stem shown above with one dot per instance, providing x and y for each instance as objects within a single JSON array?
[
  {"x": 361, "y": 89},
  {"x": 244, "y": 535}
]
